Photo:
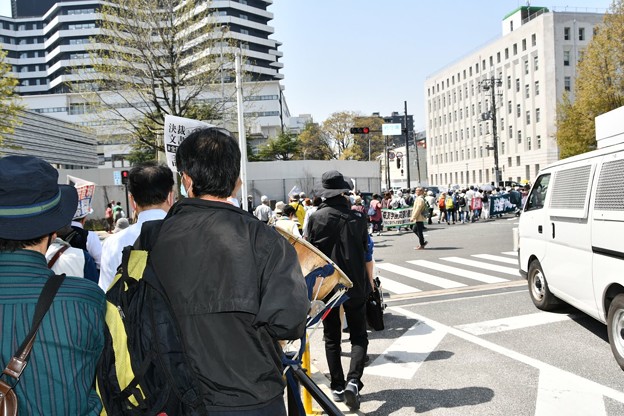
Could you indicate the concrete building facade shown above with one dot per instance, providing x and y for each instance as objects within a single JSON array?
[
  {"x": 528, "y": 68},
  {"x": 47, "y": 40}
]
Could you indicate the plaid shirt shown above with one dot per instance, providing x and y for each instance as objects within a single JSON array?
[{"x": 58, "y": 379}]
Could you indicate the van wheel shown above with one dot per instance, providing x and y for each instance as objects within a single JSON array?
[
  {"x": 538, "y": 288},
  {"x": 615, "y": 327}
]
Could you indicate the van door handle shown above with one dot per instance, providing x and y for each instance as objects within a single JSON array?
[
  {"x": 553, "y": 229},
  {"x": 539, "y": 229}
]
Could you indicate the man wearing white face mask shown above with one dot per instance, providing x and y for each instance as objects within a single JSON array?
[{"x": 151, "y": 195}]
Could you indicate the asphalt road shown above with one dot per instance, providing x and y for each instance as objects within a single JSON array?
[{"x": 455, "y": 344}]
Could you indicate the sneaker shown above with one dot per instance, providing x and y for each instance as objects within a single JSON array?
[
  {"x": 338, "y": 396},
  {"x": 425, "y": 243},
  {"x": 352, "y": 395}
]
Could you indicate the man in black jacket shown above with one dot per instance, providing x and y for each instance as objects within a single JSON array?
[
  {"x": 342, "y": 235},
  {"x": 234, "y": 283}
]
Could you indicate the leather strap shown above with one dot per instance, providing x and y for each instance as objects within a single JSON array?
[
  {"x": 56, "y": 256},
  {"x": 18, "y": 362}
]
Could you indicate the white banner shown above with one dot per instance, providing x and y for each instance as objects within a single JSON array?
[
  {"x": 176, "y": 130},
  {"x": 85, "y": 191}
]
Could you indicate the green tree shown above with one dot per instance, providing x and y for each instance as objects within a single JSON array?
[
  {"x": 599, "y": 86},
  {"x": 313, "y": 144},
  {"x": 337, "y": 130},
  {"x": 360, "y": 147},
  {"x": 152, "y": 59},
  {"x": 9, "y": 106},
  {"x": 283, "y": 147}
]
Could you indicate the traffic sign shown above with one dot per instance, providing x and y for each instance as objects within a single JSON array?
[
  {"x": 391, "y": 129},
  {"x": 117, "y": 177},
  {"x": 399, "y": 154},
  {"x": 391, "y": 155}
]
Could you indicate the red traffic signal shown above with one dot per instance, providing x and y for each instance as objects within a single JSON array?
[
  {"x": 125, "y": 176},
  {"x": 360, "y": 130}
]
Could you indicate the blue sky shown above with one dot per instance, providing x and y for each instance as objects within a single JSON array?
[{"x": 372, "y": 55}]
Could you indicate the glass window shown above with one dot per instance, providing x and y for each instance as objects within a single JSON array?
[
  {"x": 566, "y": 58},
  {"x": 581, "y": 33},
  {"x": 515, "y": 49},
  {"x": 567, "y": 83},
  {"x": 527, "y": 91},
  {"x": 536, "y": 87},
  {"x": 524, "y": 44},
  {"x": 528, "y": 117},
  {"x": 535, "y": 63},
  {"x": 526, "y": 67},
  {"x": 533, "y": 39},
  {"x": 518, "y": 110},
  {"x": 517, "y": 84},
  {"x": 519, "y": 136},
  {"x": 566, "y": 33},
  {"x": 538, "y": 193}
]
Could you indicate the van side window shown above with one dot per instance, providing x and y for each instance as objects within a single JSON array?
[{"x": 538, "y": 193}]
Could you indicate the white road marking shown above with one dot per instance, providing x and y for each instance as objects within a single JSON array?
[
  {"x": 458, "y": 272},
  {"x": 423, "y": 277},
  {"x": 500, "y": 259},
  {"x": 557, "y": 395},
  {"x": 482, "y": 265},
  {"x": 396, "y": 287},
  {"x": 580, "y": 383},
  {"x": 510, "y": 253},
  {"x": 513, "y": 322},
  {"x": 403, "y": 358}
]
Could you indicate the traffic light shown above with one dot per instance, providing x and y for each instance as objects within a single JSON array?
[
  {"x": 124, "y": 177},
  {"x": 398, "y": 163},
  {"x": 360, "y": 130}
]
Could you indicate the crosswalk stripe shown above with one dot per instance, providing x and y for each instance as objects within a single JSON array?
[
  {"x": 496, "y": 258},
  {"x": 513, "y": 322},
  {"x": 482, "y": 265},
  {"x": 457, "y": 271},
  {"x": 510, "y": 253},
  {"x": 423, "y": 277},
  {"x": 396, "y": 287}
]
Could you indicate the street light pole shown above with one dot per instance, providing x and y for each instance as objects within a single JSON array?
[{"x": 490, "y": 85}]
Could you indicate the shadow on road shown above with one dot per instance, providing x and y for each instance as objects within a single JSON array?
[{"x": 424, "y": 400}]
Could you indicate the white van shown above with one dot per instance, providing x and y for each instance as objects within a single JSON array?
[{"x": 571, "y": 232}]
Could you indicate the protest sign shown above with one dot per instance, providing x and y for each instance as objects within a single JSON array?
[
  {"x": 176, "y": 130},
  {"x": 393, "y": 218},
  {"x": 85, "y": 191},
  {"x": 500, "y": 204}
]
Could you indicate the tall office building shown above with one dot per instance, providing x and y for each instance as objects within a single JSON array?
[
  {"x": 46, "y": 39},
  {"x": 526, "y": 71}
]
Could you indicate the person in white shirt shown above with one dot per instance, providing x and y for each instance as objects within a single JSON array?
[
  {"x": 315, "y": 204},
  {"x": 93, "y": 245},
  {"x": 263, "y": 211},
  {"x": 151, "y": 195},
  {"x": 63, "y": 258}
]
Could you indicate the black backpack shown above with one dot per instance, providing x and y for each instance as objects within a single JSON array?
[
  {"x": 461, "y": 201},
  {"x": 144, "y": 369}
]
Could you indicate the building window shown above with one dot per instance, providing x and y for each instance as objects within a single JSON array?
[
  {"x": 566, "y": 58},
  {"x": 515, "y": 49},
  {"x": 528, "y": 140},
  {"x": 537, "y": 168},
  {"x": 509, "y": 107},
  {"x": 518, "y": 111},
  {"x": 524, "y": 44},
  {"x": 537, "y": 115},
  {"x": 526, "y": 91},
  {"x": 508, "y": 82},
  {"x": 528, "y": 117},
  {"x": 517, "y": 160},
  {"x": 535, "y": 63},
  {"x": 536, "y": 87},
  {"x": 517, "y": 84},
  {"x": 567, "y": 83},
  {"x": 498, "y": 57},
  {"x": 533, "y": 39},
  {"x": 506, "y": 53},
  {"x": 502, "y": 147},
  {"x": 510, "y": 132},
  {"x": 539, "y": 142},
  {"x": 566, "y": 33},
  {"x": 243, "y": 16},
  {"x": 581, "y": 33},
  {"x": 509, "y": 163},
  {"x": 244, "y": 32},
  {"x": 519, "y": 136},
  {"x": 526, "y": 67}
]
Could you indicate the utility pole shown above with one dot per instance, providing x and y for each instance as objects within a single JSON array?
[
  {"x": 407, "y": 148},
  {"x": 387, "y": 164},
  {"x": 490, "y": 85}
]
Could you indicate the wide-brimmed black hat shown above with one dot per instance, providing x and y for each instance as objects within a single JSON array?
[
  {"x": 333, "y": 183},
  {"x": 32, "y": 203}
]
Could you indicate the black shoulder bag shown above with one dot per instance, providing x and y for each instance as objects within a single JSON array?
[{"x": 8, "y": 399}]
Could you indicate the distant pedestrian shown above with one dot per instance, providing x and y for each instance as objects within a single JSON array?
[
  {"x": 430, "y": 199},
  {"x": 377, "y": 218},
  {"x": 108, "y": 217},
  {"x": 263, "y": 211},
  {"x": 306, "y": 221},
  {"x": 418, "y": 218}
]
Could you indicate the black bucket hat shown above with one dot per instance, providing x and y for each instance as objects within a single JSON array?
[
  {"x": 32, "y": 203},
  {"x": 333, "y": 183}
]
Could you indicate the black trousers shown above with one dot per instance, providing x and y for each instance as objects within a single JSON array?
[
  {"x": 355, "y": 311},
  {"x": 418, "y": 230}
]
